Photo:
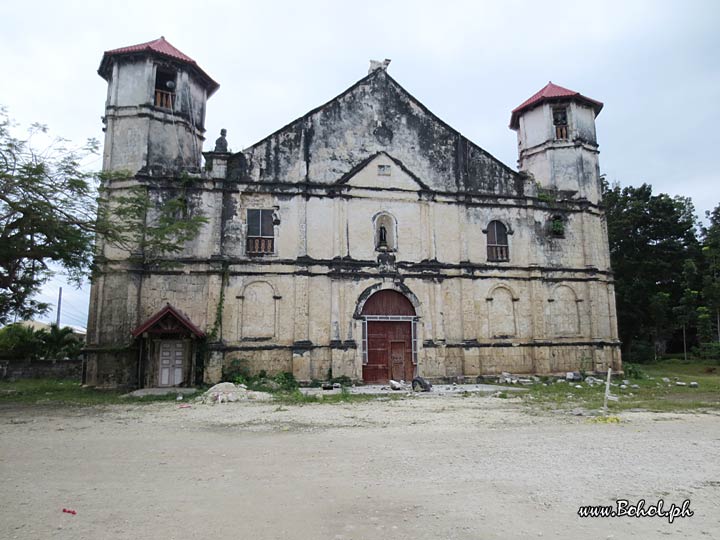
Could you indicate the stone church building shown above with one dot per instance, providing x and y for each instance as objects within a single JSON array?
[{"x": 366, "y": 239}]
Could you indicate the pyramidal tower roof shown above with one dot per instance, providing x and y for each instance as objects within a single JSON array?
[
  {"x": 551, "y": 92},
  {"x": 160, "y": 47}
]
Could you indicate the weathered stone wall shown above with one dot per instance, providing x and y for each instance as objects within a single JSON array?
[
  {"x": 375, "y": 115},
  {"x": 21, "y": 369},
  {"x": 375, "y": 155}
]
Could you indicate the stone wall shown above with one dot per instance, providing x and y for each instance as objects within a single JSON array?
[{"x": 22, "y": 369}]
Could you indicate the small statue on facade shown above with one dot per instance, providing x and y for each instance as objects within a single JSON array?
[
  {"x": 383, "y": 237},
  {"x": 221, "y": 144}
]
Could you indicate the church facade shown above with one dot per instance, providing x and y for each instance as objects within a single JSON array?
[{"x": 366, "y": 239}]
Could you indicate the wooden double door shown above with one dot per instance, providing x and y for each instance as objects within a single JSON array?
[
  {"x": 389, "y": 352},
  {"x": 171, "y": 363}
]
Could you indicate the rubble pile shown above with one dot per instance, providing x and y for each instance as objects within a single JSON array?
[{"x": 227, "y": 392}]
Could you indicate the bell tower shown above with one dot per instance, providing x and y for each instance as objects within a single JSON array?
[
  {"x": 557, "y": 142},
  {"x": 155, "y": 109}
]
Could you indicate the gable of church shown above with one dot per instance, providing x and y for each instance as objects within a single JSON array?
[
  {"x": 376, "y": 115},
  {"x": 383, "y": 172}
]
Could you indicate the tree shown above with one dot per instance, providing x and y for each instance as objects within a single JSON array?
[
  {"x": 21, "y": 342},
  {"x": 648, "y": 234},
  {"x": 59, "y": 343},
  {"x": 711, "y": 259},
  {"x": 49, "y": 214}
]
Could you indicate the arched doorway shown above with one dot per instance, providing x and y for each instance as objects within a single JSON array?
[{"x": 389, "y": 350}]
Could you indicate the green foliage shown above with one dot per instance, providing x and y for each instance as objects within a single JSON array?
[
  {"x": 633, "y": 372},
  {"x": 234, "y": 370},
  {"x": 653, "y": 394},
  {"x": 47, "y": 215},
  {"x": 545, "y": 196},
  {"x": 60, "y": 343},
  {"x": 642, "y": 352},
  {"x": 704, "y": 324},
  {"x": 260, "y": 382},
  {"x": 20, "y": 342},
  {"x": 286, "y": 380},
  {"x": 557, "y": 226},
  {"x": 296, "y": 397},
  {"x": 648, "y": 235},
  {"x": 152, "y": 228},
  {"x": 707, "y": 351},
  {"x": 47, "y": 392},
  {"x": 53, "y": 209}
]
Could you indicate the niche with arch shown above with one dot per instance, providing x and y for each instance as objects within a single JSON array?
[
  {"x": 501, "y": 313},
  {"x": 563, "y": 312},
  {"x": 385, "y": 232},
  {"x": 258, "y": 311}
]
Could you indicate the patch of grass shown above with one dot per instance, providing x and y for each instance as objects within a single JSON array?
[
  {"x": 261, "y": 382},
  {"x": 296, "y": 397},
  {"x": 56, "y": 392},
  {"x": 652, "y": 393},
  {"x": 604, "y": 420}
]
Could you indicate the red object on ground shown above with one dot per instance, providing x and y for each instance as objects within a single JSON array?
[{"x": 68, "y": 511}]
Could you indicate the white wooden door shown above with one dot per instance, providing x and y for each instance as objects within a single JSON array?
[{"x": 172, "y": 354}]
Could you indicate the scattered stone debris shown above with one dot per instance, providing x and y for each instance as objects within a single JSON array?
[
  {"x": 635, "y": 386},
  {"x": 665, "y": 380},
  {"x": 573, "y": 376},
  {"x": 577, "y": 412},
  {"x": 694, "y": 384},
  {"x": 680, "y": 383},
  {"x": 395, "y": 385},
  {"x": 228, "y": 392},
  {"x": 626, "y": 382},
  {"x": 623, "y": 387}
]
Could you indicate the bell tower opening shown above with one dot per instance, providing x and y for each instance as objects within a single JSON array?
[{"x": 165, "y": 84}]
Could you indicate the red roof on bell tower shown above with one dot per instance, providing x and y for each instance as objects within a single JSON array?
[
  {"x": 551, "y": 92},
  {"x": 160, "y": 47}
]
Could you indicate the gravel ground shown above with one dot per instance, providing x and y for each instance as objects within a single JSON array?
[{"x": 468, "y": 468}]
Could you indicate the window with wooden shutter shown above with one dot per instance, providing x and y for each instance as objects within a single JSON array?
[
  {"x": 497, "y": 242},
  {"x": 260, "y": 232}
]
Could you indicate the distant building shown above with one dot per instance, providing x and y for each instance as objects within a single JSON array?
[{"x": 367, "y": 239}]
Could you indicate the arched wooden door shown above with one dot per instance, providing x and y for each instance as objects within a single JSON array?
[{"x": 388, "y": 319}]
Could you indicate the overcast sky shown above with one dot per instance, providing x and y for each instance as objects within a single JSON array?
[{"x": 654, "y": 64}]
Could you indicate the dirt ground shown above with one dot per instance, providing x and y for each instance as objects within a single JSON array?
[{"x": 442, "y": 468}]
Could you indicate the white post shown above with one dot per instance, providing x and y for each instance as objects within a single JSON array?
[{"x": 607, "y": 391}]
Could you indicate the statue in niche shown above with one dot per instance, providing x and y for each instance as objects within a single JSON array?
[
  {"x": 221, "y": 144},
  {"x": 382, "y": 237}
]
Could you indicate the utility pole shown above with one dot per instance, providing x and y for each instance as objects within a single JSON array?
[{"x": 57, "y": 319}]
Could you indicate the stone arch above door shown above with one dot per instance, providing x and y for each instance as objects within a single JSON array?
[
  {"x": 399, "y": 288},
  {"x": 388, "y": 303}
]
